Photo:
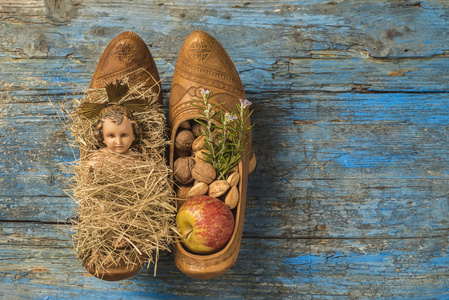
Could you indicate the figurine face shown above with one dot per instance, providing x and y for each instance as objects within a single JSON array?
[{"x": 118, "y": 137}]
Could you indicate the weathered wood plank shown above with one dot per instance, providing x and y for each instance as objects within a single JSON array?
[
  {"x": 349, "y": 199},
  {"x": 35, "y": 80},
  {"x": 37, "y": 261},
  {"x": 64, "y": 58},
  {"x": 372, "y": 28},
  {"x": 347, "y": 162}
]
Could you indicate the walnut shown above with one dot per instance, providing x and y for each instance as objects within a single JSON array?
[
  {"x": 199, "y": 143},
  {"x": 203, "y": 172},
  {"x": 182, "y": 195},
  {"x": 185, "y": 125},
  {"x": 184, "y": 140},
  {"x": 183, "y": 169},
  {"x": 197, "y": 129}
]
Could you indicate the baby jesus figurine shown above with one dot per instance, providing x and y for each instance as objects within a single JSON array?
[
  {"x": 116, "y": 130},
  {"x": 124, "y": 214}
]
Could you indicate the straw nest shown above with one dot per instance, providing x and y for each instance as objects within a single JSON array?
[{"x": 125, "y": 212}]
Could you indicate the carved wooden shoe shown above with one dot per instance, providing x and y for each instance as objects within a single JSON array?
[
  {"x": 127, "y": 54},
  {"x": 203, "y": 63},
  {"x": 118, "y": 273}
]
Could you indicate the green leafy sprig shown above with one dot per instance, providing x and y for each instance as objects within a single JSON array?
[{"x": 225, "y": 133}]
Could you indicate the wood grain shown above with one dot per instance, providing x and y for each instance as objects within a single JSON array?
[
  {"x": 38, "y": 262},
  {"x": 350, "y": 197}
]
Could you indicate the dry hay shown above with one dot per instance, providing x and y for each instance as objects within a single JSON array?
[{"x": 125, "y": 213}]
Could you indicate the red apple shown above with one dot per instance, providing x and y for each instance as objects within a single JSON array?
[{"x": 205, "y": 223}]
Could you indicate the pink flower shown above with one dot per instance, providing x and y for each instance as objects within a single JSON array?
[
  {"x": 230, "y": 117},
  {"x": 245, "y": 103},
  {"x": 204, "y": 91}
]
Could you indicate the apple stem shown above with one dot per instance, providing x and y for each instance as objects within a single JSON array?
[{"x": 188, "y": 233}]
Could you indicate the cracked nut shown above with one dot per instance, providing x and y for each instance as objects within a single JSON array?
[
  {"x": 218, "y": 188},
  {"x": 184, "y": 140},
  {"x": 232, "y": 198},
  {"x": 199, "y": 143},
  {"x": 183, "y": 169},
  {"x": 203, "y": 172}
]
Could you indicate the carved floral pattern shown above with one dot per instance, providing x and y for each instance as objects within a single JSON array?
[
  {"x": 125, "y": 52},
  {"x": 199, "y": 51}
]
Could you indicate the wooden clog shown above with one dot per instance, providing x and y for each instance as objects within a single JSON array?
[
  {"x": 120, "y": 272},
  {"x": 203, "y": 63},
  {"x": 126, "y": 54}
]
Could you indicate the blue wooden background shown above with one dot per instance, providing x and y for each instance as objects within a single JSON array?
[{"x": 350, "y": 196}]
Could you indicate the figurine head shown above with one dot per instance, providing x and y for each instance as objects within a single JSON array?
[{"x": 117, "y": 128}]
